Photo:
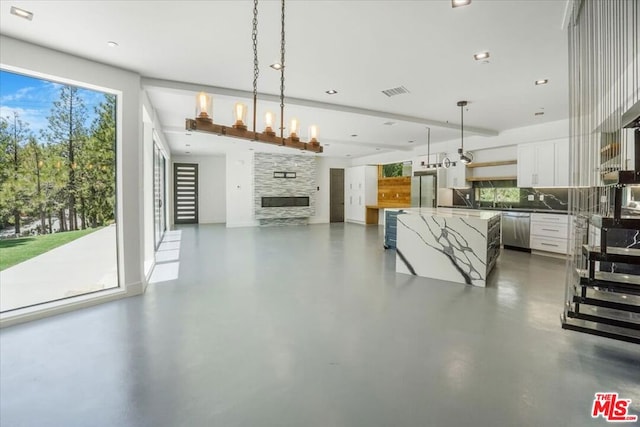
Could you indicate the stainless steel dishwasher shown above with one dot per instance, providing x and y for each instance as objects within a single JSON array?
[{"x": 515, "y": 230}]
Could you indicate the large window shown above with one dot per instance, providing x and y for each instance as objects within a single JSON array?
[
  {"x": 396, "y": 169},
  {"x": 57, "y": 191},
  {"x": 499, "y": 195}
]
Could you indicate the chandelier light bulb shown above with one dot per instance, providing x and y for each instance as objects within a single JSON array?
[
  {"x": 204, "y": 106},
  {"x": 313, "y": 134},
  {"x": 240, "y": 113},
  {"x": 294, "y": 129}
]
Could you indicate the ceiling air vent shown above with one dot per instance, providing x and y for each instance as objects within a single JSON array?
[{"x": 395, "y": 91}]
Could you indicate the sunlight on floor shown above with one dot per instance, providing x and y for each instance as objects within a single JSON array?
[{"x": 167, "y": 258}]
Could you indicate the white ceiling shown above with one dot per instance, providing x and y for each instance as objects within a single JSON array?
[{"x": 356, "y": 47}]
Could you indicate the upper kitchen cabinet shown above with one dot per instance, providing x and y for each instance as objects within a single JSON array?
[
  {"x": 543, "y": 164},
  {"x": 457, "y": 176}
]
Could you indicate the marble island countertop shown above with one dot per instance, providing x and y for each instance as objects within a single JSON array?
[
  {"x": 453, "y": 212},
  {"x": 456, "y": 245},
  {"x": 499, "y": 209}
]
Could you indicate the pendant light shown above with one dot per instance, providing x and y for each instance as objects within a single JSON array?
[{"x": 465, "y": 157}]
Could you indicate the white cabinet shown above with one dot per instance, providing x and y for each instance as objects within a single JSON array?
[
  {"x": 544, "y": 164},
  {"x": 549, "y": 232},
  {"x": 360, "y": 189},
  {"x": 457, "y": 176}
]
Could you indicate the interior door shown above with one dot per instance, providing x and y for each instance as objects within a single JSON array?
[
  {"x": 185, "y": 193},
  {"x": 336, "y": 195}
]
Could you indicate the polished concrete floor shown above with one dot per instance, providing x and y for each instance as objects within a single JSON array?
[{"x": 311, "y": 326}]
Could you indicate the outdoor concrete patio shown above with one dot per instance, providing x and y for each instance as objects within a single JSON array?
[{"x": 87, "y": 264}]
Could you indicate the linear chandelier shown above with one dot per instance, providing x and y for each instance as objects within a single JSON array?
[
  {"x": 204, "y": 108},
  {"x": 428, "y": 163}
]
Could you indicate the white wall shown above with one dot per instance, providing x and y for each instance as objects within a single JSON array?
[
  {"x": 151, "y": 132},
  {"x": 212, "y": 201},
  {"x": 19, "y": 56},
  {"x": 147, "y": 183},
  {"x": 239, "y": 189},
  {"x": 323, "y": 165}
]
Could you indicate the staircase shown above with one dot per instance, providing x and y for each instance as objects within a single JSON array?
[{"x": 605, "y": 291}]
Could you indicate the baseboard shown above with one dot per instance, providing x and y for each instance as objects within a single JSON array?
[
  {"x": 318, "y": 220},
  {"x": 548, "y": 254},
  {"x": 148, "y": 275},
  {"x": 54, "y": 308}
]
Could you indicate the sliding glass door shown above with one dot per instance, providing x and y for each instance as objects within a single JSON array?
[{"x": 159, "y": 194}]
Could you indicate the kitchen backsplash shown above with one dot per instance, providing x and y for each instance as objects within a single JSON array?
[{"x": 552, "y": 198}]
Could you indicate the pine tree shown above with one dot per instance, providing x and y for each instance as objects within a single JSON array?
[
  {"x": 66, "y": 131},
  {"x": 34, "y": 168},
  {"x": 98, "y": 166},
  {"x": 13, "y": 192}
]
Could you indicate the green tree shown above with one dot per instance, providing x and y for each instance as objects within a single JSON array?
[
  {"x": 14, "y": 191},
  {"x": 98, "y": 166},
  {"x": 392, "y": 169},
  {"x": 66, "y": 131},
  {"x": 5, "y": 170},
  {"x": 34, "y": 168}
]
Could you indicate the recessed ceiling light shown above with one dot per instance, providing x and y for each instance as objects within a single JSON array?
[
  {"x": 187, "y": 152},
  {"x": 353, "y": 135},
  {"x": 377, "y": 149},
  {"x": 481, "y": 55},
  {"x": 21, "y": 13},
  {"x": 542, "y": 82},
  {"x": 250, "y": 149},
  {"x": 458, "y": 3},
  {"x": 331, "y": 92},
  {"x": 539, "y": 113},
  {"x": 411, "y": 141},
  {"x": 188, "y": 145},
  {"x": 276, "y": 66},
  {"x": 348, "y": 155},
  {"x": 112, "y": 44},
  {"x": 389, "y": 123}
]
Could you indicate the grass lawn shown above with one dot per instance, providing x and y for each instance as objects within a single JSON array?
[{"x": 15, "y": 251}]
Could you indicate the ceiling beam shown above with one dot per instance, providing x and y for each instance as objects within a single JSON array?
[
  {"x": 176, "y": 130},
  {"x": 181, "y": 87}
]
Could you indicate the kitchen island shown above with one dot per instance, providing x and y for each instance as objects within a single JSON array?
[{"x": 456, "y": 245}]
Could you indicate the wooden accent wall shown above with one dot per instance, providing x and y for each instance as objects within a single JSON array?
[{"x": 394, "y": 192}]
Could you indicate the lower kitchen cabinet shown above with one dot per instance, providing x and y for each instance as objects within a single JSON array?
[{"x": 549, "y": 232}]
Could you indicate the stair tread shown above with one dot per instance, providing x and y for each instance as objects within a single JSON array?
[
  {"x": 609, "y": 331},
  {"x": 625, "y": 222},
  {"x": 616, "y": 297},
  {"x": 611, "y": 313},
  {"x": 627, "y": 279},
  {"x": 612, "y": 250}
]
